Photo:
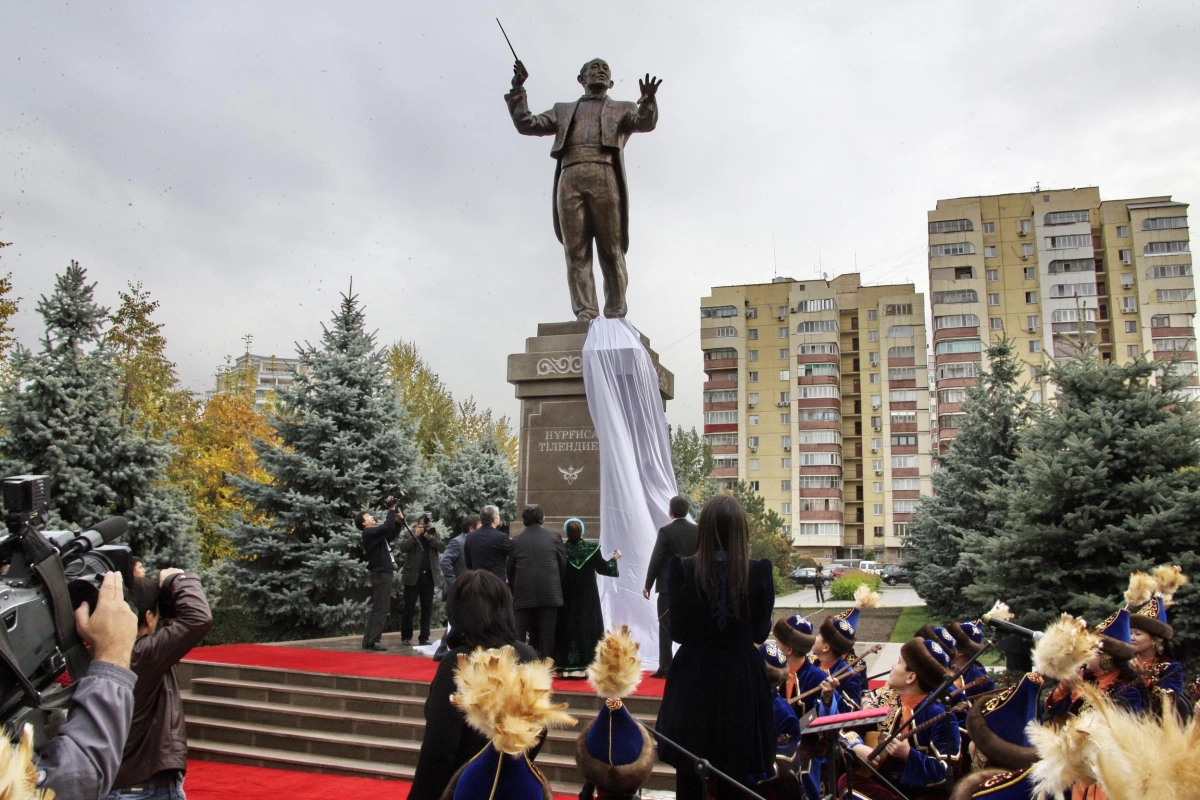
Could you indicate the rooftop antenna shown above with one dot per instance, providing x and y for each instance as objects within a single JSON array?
[{"x": 774, "y": 257}]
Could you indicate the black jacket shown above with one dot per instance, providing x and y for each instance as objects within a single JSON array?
[
  {"x": 414, "y": 551},
  {"x": 677, "y": 538},
  {"x": 449, "y": 742},
  {"x": 535, "y": 568},
  {"x": 375, "y": 543},
  {"x": 488, "y": 548}
]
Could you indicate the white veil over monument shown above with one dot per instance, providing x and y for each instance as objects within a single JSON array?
[{"x": 637, "y": 480}]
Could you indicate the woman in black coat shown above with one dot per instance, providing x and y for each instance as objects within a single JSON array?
[
  {"x": 481, "y": 615},
  {"x": 717, "y": 701}
]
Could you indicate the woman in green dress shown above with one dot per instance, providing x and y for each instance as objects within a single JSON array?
[{"x": 580, "y": 621}]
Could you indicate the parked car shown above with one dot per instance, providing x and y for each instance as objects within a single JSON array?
[
  {"x": 842, "y": 565},
  {"x": 893, "y": 574},
  {"x": 873, "y": 567},
  {"x": 807, "y": 576}
]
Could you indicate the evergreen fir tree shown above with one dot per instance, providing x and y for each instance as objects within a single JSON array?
[
  {"x": 476, "y": 474},
  {"x": 343, "y": 439},
  {"x": 61, "y": 417},
  {"x": 1106, "y": 482},
  {"x": 981, "y": 455}
]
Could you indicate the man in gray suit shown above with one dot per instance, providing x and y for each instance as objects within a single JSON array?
[
  {"x": 421, "y": 574},
  {"x": 677, "y": 538},
  {"x": 535, "y": 569}
]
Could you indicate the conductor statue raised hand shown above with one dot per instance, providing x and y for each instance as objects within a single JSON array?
[{"x": 591, "y": 198}]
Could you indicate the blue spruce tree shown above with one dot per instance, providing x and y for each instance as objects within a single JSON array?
[
  {"x": 344, "y": 439},
  {"x": 60, "y": 416},
  {"x": 476, "y": 474}
]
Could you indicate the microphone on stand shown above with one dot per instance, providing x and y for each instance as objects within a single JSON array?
[{"x": 1005, "y": 625}]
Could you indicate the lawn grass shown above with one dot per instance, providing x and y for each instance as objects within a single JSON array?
[{"x": 911, "y": 618}]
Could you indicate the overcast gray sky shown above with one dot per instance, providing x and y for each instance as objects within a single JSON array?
[{"x": 244, "y": 160}]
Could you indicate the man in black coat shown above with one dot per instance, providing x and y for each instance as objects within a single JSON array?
[
  {"x": 676, "y": 538},
  {"x": 486, "y": 547},
  {"x": 382, "y": 565},
  {"x": 535, "y": 570},
  {"x": 422, "y": 574}
]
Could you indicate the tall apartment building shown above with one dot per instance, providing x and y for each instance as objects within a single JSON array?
[
  {"x": 817, "y": 395},
  {"x": 1047, "y": 267},
  {"x": 270, "y": 373}
]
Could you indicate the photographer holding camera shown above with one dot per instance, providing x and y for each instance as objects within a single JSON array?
[
  {"x": 382, "y": 565},
  {"x": 421, "y": 574},
  {"x": 155, "y": 756}
]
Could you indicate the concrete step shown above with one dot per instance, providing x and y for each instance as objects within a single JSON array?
[{"x": 379, "y": 755}]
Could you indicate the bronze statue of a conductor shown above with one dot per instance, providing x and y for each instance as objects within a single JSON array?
[{"x": 591, "y": 199}]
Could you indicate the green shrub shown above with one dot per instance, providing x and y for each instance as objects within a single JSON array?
[
  {"x": 844, "y": 587},
  {"x": 805, "y": 561},
  {"x": 232, "y": 625}
]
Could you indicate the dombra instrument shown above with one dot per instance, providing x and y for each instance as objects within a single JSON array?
[{"x": 860, "y": 665}]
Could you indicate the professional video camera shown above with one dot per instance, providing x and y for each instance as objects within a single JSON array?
[
  {"x": 44, "y": 577},
  {"x": 398, "y": 499}
]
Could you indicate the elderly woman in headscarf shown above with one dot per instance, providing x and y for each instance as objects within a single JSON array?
[{"x": 580, "y": 623}]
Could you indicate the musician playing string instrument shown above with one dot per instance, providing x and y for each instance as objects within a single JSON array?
[
  {"x": 917, "y": 764},
  {"x": 833, "y": 648},
  {"x": 1150, "y": 633}
]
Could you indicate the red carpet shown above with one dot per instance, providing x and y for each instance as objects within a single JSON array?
[
  {"x": 365, "y": 665},
  {"x": 210, "y": 780}
]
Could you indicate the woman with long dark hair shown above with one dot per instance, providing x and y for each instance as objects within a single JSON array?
[
  {"x": 717, "y": 701},
  {"x": 480, "y": 608}
]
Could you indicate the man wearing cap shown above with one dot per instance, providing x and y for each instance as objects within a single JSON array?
[
  {"x": 1000, "y": 748},
  {"x": 917, "y": 763}
]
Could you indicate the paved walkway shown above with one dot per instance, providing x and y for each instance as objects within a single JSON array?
[{"x": 893, "y": 596}]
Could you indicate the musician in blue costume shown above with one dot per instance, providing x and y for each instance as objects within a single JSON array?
[
  {"x": 968, "y": 638},
  {"x": 787, "y": 725},
  {"x": 834, "y": 648},
  {"x": 1109, "y": 670},
  {"x": 1151, "y": 634},
  {"x": 795, "y": 638},
  {"x": 917, "y": 764},
  {"x": 1000, "y": 748}
]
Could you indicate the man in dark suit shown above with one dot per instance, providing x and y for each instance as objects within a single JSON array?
[
  {"x": 677, "y": 538},
  {"x": 382, "y": 566},
  {"x": 486, "y": 547},
  {"x": 422, "y": 574},
  {"x": 535, "y": 570}
]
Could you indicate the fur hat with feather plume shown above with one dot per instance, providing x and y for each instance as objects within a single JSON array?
[
  {"x": 510, "y": 703},
  {"x": 839, "y": 630},
  {"x": 616, "y": 752},
  {"x": 1065, "y": 647},
  {"x": 1150, "y": 615}
]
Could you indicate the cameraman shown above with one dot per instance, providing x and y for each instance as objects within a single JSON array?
[
  {"x": 382, "y": 564},
  {"x": 155, "y": 756},
  {"x": 82, "y": 760},
  {"x": 421, "y": 574}
]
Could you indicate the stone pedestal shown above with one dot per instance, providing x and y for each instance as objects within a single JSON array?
[{"x": 559, "y": 467}]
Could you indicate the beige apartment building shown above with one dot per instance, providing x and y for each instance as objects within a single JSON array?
[
  {"x": 1047, "y": 267},
  {"x": 817, "y": 395}
]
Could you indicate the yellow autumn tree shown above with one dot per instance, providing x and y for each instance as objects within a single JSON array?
[
  {"x": 473, "y": 425},
  {"x": 213, "y": 447}
]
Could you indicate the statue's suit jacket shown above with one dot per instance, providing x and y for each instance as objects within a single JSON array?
[{"x": 618, "y": 120}]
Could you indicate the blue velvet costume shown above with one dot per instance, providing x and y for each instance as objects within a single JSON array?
[{"x": 925, "y": 765}]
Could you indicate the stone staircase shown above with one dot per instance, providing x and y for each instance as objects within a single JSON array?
[{"x": 346, "y": 725}]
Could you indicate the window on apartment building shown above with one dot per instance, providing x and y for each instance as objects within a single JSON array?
[
  {"x": 996, "y": 323},
  {"x": 752, "y": 442},
  {"x": 877, "y": 466},
  {"x": 785, "y": 375},
  {"x": 753, "y": 485},
  {"x": 1031, "y": 297},
  {"x": 1024, "y": 225},
  {"x": 876, "y": 444},
  {"x": 811, "y": 370},
  {"x": 753, "y": 464},
  {"x": 785, "y": 441},
  {"x": 956, "y": 296},
  {"x": 906, "y": 351},
  {"x": 785, "y": 486},
  {"x": 726, "y": 333},
  {"x": 989, "y": 227},
  {"x": 955, "y": 321},
  {"x": 818, "y": 415},
  {"x": 752, "y": 419},
  {"x": 904, "y": 417},
  {"x": 1166, "y": 248},
  {"x": 1035, "y": 346},
  {"x": 717, "y": 312},
  {"x": 1126, "y": 256},
  {"x": 752, "y": 355},
  {"x": 877, "y": 487},
  {"x": 752, "y": 377},
  {"x": 876, "y": 423},
  {"x": 906, "y": 484},
  {"x": 989, "y": 251},
  {"x": 1126, "y": 280},
  {"x": 900, "y": 332},
  {"x": 1123, "y": 231},
  {"x": 876, "y": 401},
  {"x": 1027, "y": 250},
  {"x": 904, "y": 462},
  {"x": 1179, "y": 345},
  {"x": 898, "y": 309},
  {"x": 965, "y": 369},
  {"x": 785, "y": 462},
  {"x": 720, "y": 417},
  {"x": 785, "y": 397},
  {"x": 1169, "y": 271},
  {"x": 902, "y": 373},
  {"x": 877, "y": 509},
  {"x": 1175, "y": 295},
  {"x": 783, "y": 333},
  {"x": 873, "y": 359},
  {"x": 752, "y": 399},
  {"x": 1065, "y": 217},
  {"x": 953, "y": 249},
  {"x": 958, "y": 346},
  {"x": 900, "y": 530},
  {"x": 725, "y": 462},
  {"x": 817, "y": 349},
  {"x": 874, "y": 377},
  {"x": 994, "y": 299},
  {"x": 1060, "y": 265},
  {"x": 751, "y": 313},
  {"x": 785, "y": 508},
  {"x": 720, "y": 353},
  {"x": 1164, "y": 223},
  {"x": 1129, "y": 304},
  {"x": 810, "y": 306},
  {"x": 752, "y": 334},
  {"x": 904, "y": 506},
  {"x": 721, "y": 396},
  {"x": 902, "y": 396},
  {"x": 1063, "y": 242},
  {"x": 785, "y": 419},
  {"x": 817, "y": 326},
  {"x": 872, "y": 336},
  {"x": 1131, "y": 326},
  {"x": 783, "y": 353},
  {"x": 1031, "y": 273},
  {"x": 1033, "y": 323},
  {"x": 993, "y": 275},
  {"x": 904, "y": 440},
  {"x": 951, "y": 226},
  {"x": 963, "y": 273},
  {"x": 872, "y": 315},
  {"x": 1133, "y": 351}
]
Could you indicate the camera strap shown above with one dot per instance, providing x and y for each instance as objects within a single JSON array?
[
  {"x": 9, "y": 656},
  {"x": 48, "y": 566}
]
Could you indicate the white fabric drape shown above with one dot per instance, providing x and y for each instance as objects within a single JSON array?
[{"x": 637, "y": 481}]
